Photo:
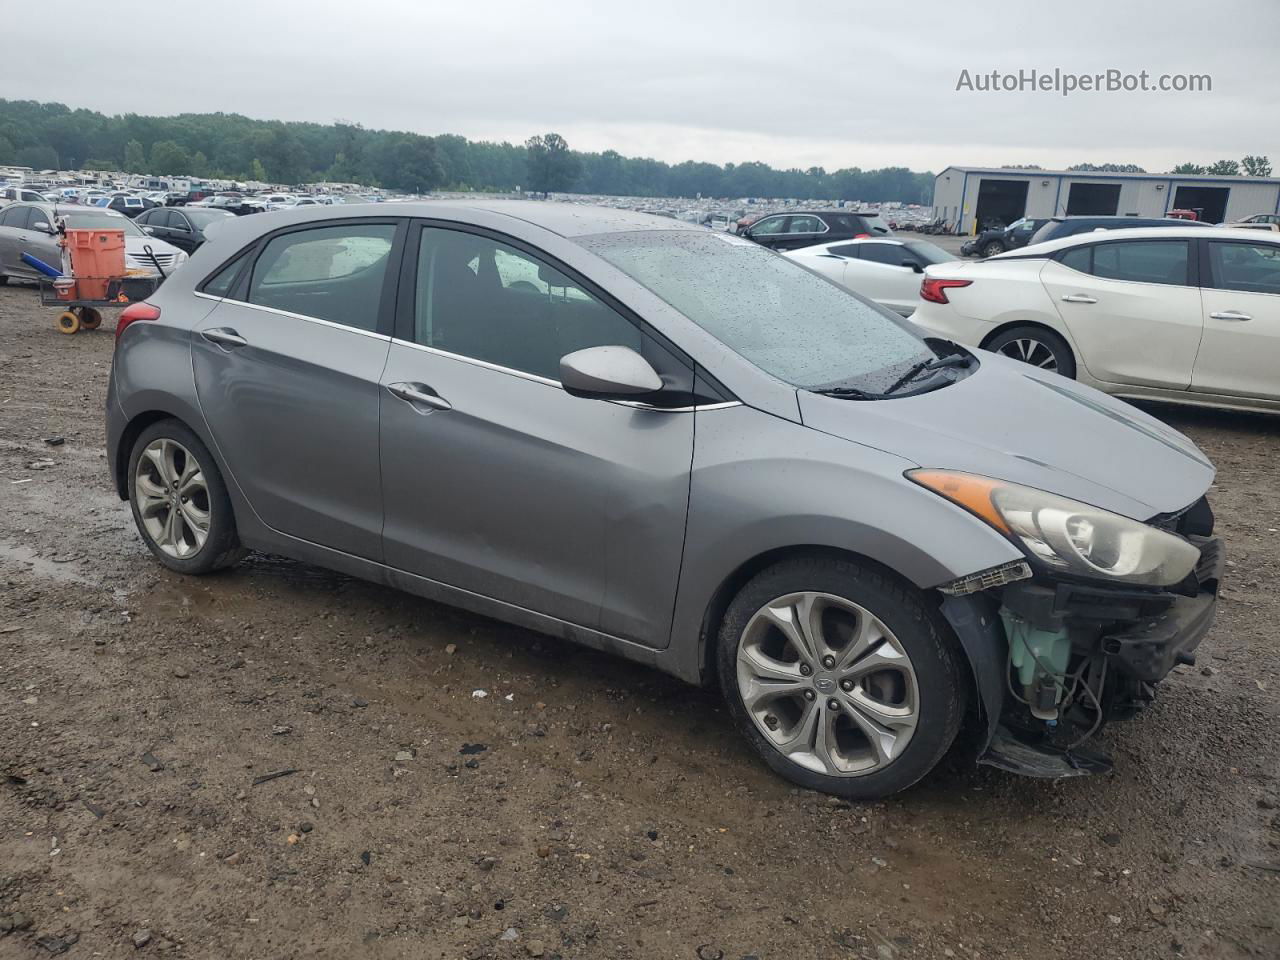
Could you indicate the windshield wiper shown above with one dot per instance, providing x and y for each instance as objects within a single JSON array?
[
  {"x": 853, "y": 393},
  {"x": 937, "y": 363}
]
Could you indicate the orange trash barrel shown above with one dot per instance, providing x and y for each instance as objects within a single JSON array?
[{"x": 97, "y": 256}]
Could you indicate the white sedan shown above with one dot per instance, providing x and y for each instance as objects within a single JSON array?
[
  {"x": 884, "y": 269},
  {"x": 1179, "y": 314}
]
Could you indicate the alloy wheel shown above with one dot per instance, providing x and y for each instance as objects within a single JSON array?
[
  {"x": 1034, "y": 352},
  {"x": 828, "y": 684},
  {"x": 173, "y": 498}
]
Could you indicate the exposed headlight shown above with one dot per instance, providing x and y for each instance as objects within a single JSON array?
[
  {"x": 1065, "y": 535},
  {"x": 180, "y": 258}
]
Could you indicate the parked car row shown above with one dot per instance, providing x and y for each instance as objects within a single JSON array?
[{"x": 32, "y": 228}]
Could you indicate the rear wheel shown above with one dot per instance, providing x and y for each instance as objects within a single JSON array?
[
  {"x": 68, "y": 322},
  {"x": 1037, "y": 346},
  {"x": 840, "y": 676},
  {"x": 180, "y": 503},
  {"x": 90, "y": 319}
]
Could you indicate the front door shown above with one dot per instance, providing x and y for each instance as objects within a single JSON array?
[
  {"x": 499, "y": 482},
  {"x": 1240, "y": 353},
  {"x": 287, "y": 371},
  {"x": 1132, "y": 308}
]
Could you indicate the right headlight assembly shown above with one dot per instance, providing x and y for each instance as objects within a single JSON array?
[{"x": 1067, "y": 536}]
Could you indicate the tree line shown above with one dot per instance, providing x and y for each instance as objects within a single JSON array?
[{"x": 233, "y": 147}]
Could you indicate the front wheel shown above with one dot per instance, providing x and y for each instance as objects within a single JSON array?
[
  {"x": 993, "y": 248},
  {"x": 1037, "y": 346},
  {"x": 180, "y": 503},
  {"x": 842, "y": 678}
]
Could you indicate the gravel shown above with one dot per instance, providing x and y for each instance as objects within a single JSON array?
[{"x": 615, "y": 811}]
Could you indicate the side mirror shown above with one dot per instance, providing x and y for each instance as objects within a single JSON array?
[
  {"x": 608, "y": 373},
  {"x": 913, "y": 265},
  {"x": 146, "y": 229},
  {"x": 42, "y": 226}
]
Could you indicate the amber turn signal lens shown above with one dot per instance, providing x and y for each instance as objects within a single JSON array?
[{"x": 966, "y": 489}]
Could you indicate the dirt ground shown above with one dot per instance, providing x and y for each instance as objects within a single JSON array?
[{"x": 584, "y": 807}]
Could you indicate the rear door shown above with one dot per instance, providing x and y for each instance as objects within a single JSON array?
[
  {"x": 1132, "y": 307},
  {"x": 1240, "y": 353},
  {"x": 287, "y": 369},
  {"x": 879, "y": 274},
  {"x": 12, "y": 220},
  {"x": 501, "y": 483}
]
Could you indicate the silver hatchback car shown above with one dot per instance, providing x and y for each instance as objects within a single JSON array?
[{"x": 680, "y": 447}]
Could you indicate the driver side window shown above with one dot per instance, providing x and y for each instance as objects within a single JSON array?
[{"x": 486, "y": 300}]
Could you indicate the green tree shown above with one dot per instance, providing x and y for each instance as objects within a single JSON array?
[
  {"x": 1224, "y": 168},
  {"x": 551, "y": 164},
  {"x": 199, "y": 166},
  {"x": 1256, "y": 166},
  {"x": 38, "y": 158},
  {"x": 1192, "y": 168},
  {"x": 6, "y": 149},
  {"x": 169, "y": 159},
  {"x": 257, "y": 171},
  {"x": 135, "y": 157}
]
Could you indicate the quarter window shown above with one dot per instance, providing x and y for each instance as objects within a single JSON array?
[
  {"x": 221, "y": 283},
  {"x": 481, "y": 298},
  {"x": 1142, "y": 261},
  {"x": 1247, "y": 267},
  {"x": 331, "y": 273},
  {"x": 1080, "y": 258}
]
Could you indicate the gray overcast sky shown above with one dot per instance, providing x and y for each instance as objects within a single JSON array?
[{"x": 794, "y": 84}]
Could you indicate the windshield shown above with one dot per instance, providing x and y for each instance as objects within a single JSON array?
[
  {"x": 202, "y": 218},
  {"x": 89, "y": 220},
  {"x": 786, "y": 320}
]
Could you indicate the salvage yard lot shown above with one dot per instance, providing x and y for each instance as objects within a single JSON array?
[{"x": 580, "y": 807}]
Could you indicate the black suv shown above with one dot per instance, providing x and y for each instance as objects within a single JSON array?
[
  {"x": 804, "y": 228},
  {"x": 988, "y": 243},
  {"x": 1060, "y": 227}
]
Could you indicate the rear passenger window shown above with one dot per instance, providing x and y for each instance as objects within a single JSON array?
[
  {"x": 330, "y": 273},
  {"x": 483, "y": 299},
  {"x": 1142, "y": 261},
  {"x": 890, "y": 254}
]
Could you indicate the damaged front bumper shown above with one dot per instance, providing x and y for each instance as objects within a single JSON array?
[{"x": 1054, "y": 660}]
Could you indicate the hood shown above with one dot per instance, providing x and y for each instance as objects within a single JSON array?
[{"x": 1013, "y": 422}]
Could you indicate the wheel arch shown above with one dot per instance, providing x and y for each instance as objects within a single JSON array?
[
  {"x": 128, "y": 437},
  {"x": 729, "y": 587},
  {"x": 1038, "y": 324}
]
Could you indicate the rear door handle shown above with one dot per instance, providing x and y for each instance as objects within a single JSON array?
[
  {"x": 419, "y": 393},
  {"x": 1230, "y": 315},
  {"x": 1078, "y": 298},
  {"x": 224, "y": 337}
]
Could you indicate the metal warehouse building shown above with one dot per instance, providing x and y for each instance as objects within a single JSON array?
[{"x": 969, "y": 196}]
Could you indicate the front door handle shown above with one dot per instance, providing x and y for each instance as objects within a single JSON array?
[
  {"x": 1078, "y": 298},
  {"x": 419, "y": 393},
  {"x": 224, "y": 337},
  {"x": 1230, "y": 315}
]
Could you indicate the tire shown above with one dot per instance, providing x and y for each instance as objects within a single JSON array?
[
  {"x": 1038, "y": 346},
  {"x": 993, "y": 248},
  {"x": 205, "y": 538},
  {"x": 908, "y": 673},
  {"x": 4, "y": 279},
  {"x": 90, "y": 319}
]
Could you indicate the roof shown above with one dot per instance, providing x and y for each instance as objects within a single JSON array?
[
  {"x": 565, "y": 219},
  {"x": 1094, "y": 174},
  {"x": 1138, "y": 233}
]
